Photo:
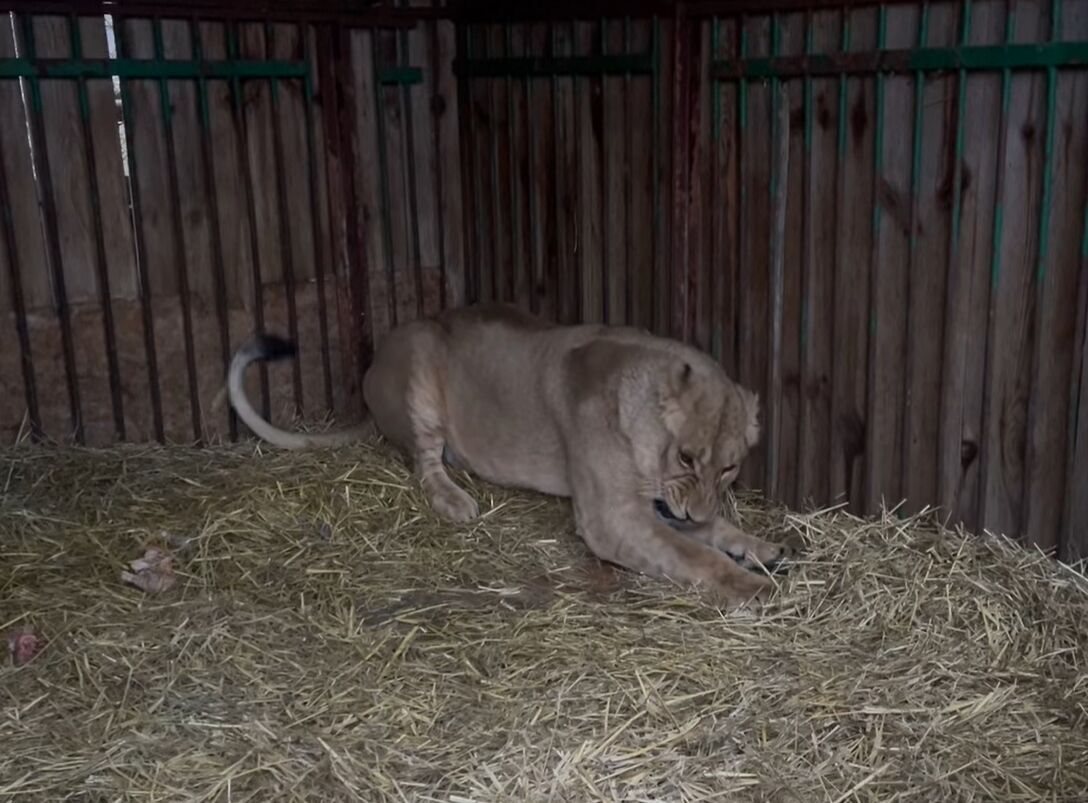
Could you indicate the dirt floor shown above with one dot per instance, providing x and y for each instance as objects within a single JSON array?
[{"x": 327, "y": 638}]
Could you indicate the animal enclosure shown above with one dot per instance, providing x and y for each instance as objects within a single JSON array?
[{"x": 175, "y": 176}]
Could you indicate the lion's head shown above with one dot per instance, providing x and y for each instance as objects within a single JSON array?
[{"x": 690, "y": 437}]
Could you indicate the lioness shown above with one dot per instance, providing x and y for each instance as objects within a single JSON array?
[{"x": 643, "y": 433}]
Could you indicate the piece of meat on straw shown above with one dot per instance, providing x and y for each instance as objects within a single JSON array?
[
  {"x": 24, "y": 645},
  {"x": 153, "y": 573}
]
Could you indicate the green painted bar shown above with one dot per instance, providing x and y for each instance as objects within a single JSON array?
[
  {"x": 543, "y": 67},
  {"x": 974, "y": 58},
  {"x": 400, "y": 75},
  {"x": 149, "y": 68}
]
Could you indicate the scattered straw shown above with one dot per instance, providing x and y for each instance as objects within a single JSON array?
[{"x": 329, "y": 639}]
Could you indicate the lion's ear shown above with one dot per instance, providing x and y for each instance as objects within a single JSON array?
[
  {"x": 751, "y": 416},
  {"x": 672, "y": 406}
]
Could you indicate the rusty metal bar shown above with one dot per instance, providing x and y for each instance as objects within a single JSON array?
[
  {"x": 49, "y": 211},
  {"x": 315, "y": 220},
  {"x": 140, "y": 236},
  {"x": 102, "y": 274},
  {"x": 242, "y": 143},
  {"x": 287, "y": 259},
  {"x": 15, "y": 280},
  {"x": 212, "y": 199}
]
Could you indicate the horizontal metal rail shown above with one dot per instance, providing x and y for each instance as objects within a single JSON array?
[
  {"x": 546, "y": 67},
  {"x": 928, "y": 59},
  {"x": 149, "y": 68}
]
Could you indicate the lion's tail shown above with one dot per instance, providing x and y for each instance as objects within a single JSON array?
[{"x": 270, "y": 348}]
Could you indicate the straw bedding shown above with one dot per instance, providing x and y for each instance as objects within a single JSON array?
[{"x": 329, "y": 639}]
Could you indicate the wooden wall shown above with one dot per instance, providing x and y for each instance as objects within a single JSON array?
[
  {"x": 933, "y": 278},
  {"x": 926, "y": 357}
]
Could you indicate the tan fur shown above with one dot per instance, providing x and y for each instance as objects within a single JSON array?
[{"x": 599, "y": 414}]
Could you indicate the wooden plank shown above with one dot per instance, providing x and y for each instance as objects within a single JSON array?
[
  {"x": 792, "y": 42},
  {"x": 890, "y": 272},
  {"x": 640, "y": 125},
  {"x": 421, "y": 51},
  {"x": 1057, "y": 275},
  {"x": 702, "y": 191},
  {"x": 1074, "y": 543},
  {"x": 969, "y": 288},
  {"x": 368, "y": 183},
  {"x": 147, "y": 144},
  {"x": 32, "y": 264},
  {"x": 723, "y": 198},
  {"x": 819, "y": 278},
  {"x": 934, "y": 187},
  {"x": 544, "y": 175},
  {"x": 754, "y": 343},
  {"x": 395, "y": 208},
  {"x": 497, "y": 180},
  {"x": 662, "y": 154},
  {"x": 852, "y": 254},
  {"x": 1012, "y": 300},
  {"x": 615, "y": 139},
  {"x": 589, "y": 138},
  {"x": 514, "y": 44},
  {"x": 445, "y": 107},
  {"x": 287, "y": 44},
  {"x": 684, "y": 120},
  {"x": 566, "y": 183},
  {"x": 77, "y": 233}
]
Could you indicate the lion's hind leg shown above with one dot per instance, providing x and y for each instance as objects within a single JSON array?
[{"x": 426, "y": 402}]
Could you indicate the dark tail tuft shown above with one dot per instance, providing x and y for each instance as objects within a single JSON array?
[{"x": 270, "y": 347}]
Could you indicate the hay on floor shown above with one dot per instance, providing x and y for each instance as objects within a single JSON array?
[{"x": 330, "y": 639}]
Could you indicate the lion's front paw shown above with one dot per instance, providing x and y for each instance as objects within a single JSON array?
[
  {"x": 453, "y": 503},
  {"x": 750, "y": 591}
]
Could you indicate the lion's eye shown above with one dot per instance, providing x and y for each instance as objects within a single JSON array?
[{"x": 686, "y": 460}]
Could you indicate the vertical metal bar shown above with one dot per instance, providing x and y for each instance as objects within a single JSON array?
[
  {"x": 410, "y": 174},
  {"x": 876, "y": 274},
  {"x": 242, "y": 129},
  {"x": 741, "y": 323},
  {"x": 655, "y": 103},
  {"x": 516, "y": 266},
  {"x": 629, "y": 292},
  {"x": 995, "y": 263},
  {"x": 775, "y": 250},
  {"x": 211, "y": 197},
  {"x": 679, "y": 272},
  {"x": 945, "y": 438},
  {"x": 536, "y": 277},
  {"x": 475, "y": 287},
  {"x": 1069, "y": 550},
  {"x": 140, "y": 234},
  {"x": 497, "y": 291},
  {"x": 912, "y": 245},
  {"x": 49, "y": 210},
  {"x": 606, "y": 284},
  {"x": 439, "y": 166},
  {"x": 315, "y": 218},
  {"x": 580, "y": 261},
  {"x": 180, "y": 254},
  {"x": 286, "y": 255},
  {"x": 15, "y": 280},
  {"x": 1041, "y": 260},
  {"x": 102, "y": 274},
  {"x": 557, "y": 173},
  {"x": 840, "y": 236},
  {"x": 715, "y": 277},
  {"x": 383, "y": 175},
  {"x": 808, "y": 280}
]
